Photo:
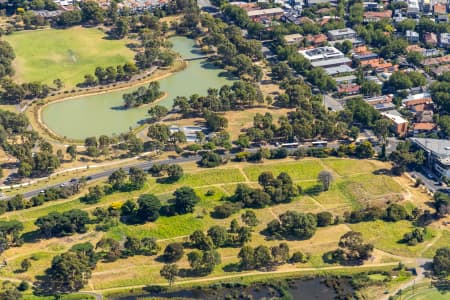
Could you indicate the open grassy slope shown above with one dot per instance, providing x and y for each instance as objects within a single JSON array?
[{"x": 350, "y": 190}]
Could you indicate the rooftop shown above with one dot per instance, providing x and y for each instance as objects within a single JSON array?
[
  {"x": 262, "y": 12},
  {"x": 440, "y": 148},
  {"x": 394, "y": 118},
  {"x": 321, "y": 53},
  {"x": 342, "y": 69}
]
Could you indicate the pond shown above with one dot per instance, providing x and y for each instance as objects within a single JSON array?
[
  {"x": 295, "y": 288},
  {"x": 95, "y": 115}
]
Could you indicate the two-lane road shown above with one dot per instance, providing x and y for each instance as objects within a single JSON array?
[{"x": 144, "y": 165}]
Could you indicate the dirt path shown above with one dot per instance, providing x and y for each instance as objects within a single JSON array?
[{"x": 253, "y": 273}]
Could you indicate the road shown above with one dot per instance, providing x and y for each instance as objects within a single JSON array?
[
  {"x": 421, "y": 269},
  {"x": 144, "y": 165},
  {"x": 430, "y": 184}
]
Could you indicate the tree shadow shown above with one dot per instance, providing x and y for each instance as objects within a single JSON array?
[
  {"x": 232, "y": 267},
  {"x": 314, "y": 190},
  {"x": 31, "y": 236},
  {"x": 166, "y": 180}
]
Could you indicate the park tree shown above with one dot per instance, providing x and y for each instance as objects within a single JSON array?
[
  {"x": 263, "y": 257},
  {"x": 128, "y": 208},
  {"x": 169, "y": 272},
  {"x": 441, "y": 262},
  {"x": 247, "y": 258},
  {"x": 117, "y": 179},
  {"x": 137, "y": 178},
  {"x": 159, "y": 132},
  {"x": 185, "y": 200},
  {"x": 173, "y": 252},
  {"x": 203, "y": 263},
  {"x": 364, "y": 150},
  {"x": 25, "y": 265},
  {"x": 175, "y": 172},
  {"x": 157, "y": 112},
  {"x": 9, "y": 291},
  {"x": 121, "y": 28},
  {"x": 199, "y": 240},
  {"x": 396, "y": 212},
  {"x": 91, "y": 12},
  {"x": 324, "y": 219},
  {"x": 249, "y": 218},
  {"x": 280, "y": 253},
  {"x": 218, "y": 235},
  {"x": 326, "y": 179},
  {"x": 294, "y": 224},
  {"x": 148, "y": 207},
  {"x": 441, "y": 204},
  {"x": 10, "y": 234},
  {"x": 353, "y": 249},
  {"x": 69, "y": 272}
]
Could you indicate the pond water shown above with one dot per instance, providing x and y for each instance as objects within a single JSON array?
[
  {"x": 296, "y": 289},
  {"x": 95, "y": 115}
]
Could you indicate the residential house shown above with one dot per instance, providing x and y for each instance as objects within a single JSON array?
[
  {"x": 400, "y": 125},
  {"x": 348, "y": 89},
  {"x": 317, "y": 40},
  {"x": 444, "y": 40},
  {"x": 430, "y": 38},
  {"x": 412, "y": 36},
  {"x": 379, "y": 65},
  {"x": 375, "y": 16},
  {"x": 310, "y": 3},
  {"x": 293, "y": 39},
  {"x": 439, "y": 9},
  {"x": 271, "y": 13},
  {"x": 419, "y": 128},
  {"x": 413, "y": 8},
  {"x": 443, "y": 60}
]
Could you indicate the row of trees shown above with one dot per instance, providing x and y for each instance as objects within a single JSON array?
[
  {"x": 109, "y": 75},
  {"x": 19, "y": 202},
  {"x": 119, "y": 180},
  {"x": 13, "y": 93}
]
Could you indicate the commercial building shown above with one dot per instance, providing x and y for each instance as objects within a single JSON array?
[
  {"x": 326, "y": 57},
  {"x": 437, "y": 154},
  {"x": 321, "y": 54},
  {"x": 341, "y": 34}
]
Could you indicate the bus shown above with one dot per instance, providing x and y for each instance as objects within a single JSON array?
[{"x": 319, "y": 143}]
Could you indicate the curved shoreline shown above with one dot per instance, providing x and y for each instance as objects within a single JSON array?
[{"x": 37, "y": 109}]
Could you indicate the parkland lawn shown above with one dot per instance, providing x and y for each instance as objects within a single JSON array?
[
  {"x": 69, "y": 54},
  {"x": 357, "y": 183}
]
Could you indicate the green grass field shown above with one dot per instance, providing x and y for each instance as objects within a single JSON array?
[
  {"x": 67, "y": 54},
  {"x": 348, "y": 191},
  {"x": 430, "y": 294}
]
